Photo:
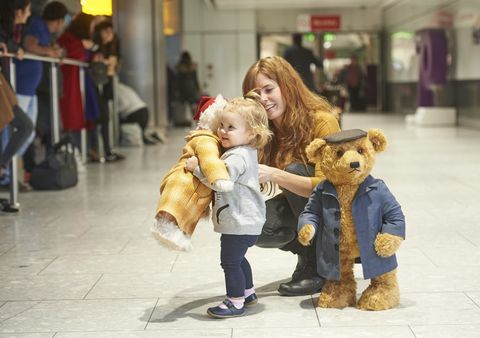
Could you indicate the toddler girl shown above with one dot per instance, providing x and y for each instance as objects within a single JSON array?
[{"x": 239, "y": 215}]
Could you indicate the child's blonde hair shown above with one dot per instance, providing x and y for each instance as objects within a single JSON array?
[{"x": 255, "y": 115}]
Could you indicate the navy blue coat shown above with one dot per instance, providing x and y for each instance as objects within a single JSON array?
[{"x": 374, "y": 210}]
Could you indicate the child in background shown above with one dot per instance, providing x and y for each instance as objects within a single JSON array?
[{"x": 238, "y": 215}]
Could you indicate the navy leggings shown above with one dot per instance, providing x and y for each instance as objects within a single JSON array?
[{"x": 237, "y": 270}]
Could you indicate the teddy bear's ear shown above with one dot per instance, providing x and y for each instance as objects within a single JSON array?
[
  {"x": 378, "y": 139},
  {"x": 314, "y": 150}
]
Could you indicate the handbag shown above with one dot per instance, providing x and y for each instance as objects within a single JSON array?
[
  {"x": 7, "y": 101},
  {"x": 59, "y": 169}
]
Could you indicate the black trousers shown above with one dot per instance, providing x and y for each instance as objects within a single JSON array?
[
  {"x": 140, "y": 117},
  {"x": 280, "y": 228}
]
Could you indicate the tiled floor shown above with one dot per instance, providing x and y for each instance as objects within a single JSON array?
[{"x": 81, "y": 262}]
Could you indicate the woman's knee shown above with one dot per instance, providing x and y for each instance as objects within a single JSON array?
[{"x": 276, "y": 238}]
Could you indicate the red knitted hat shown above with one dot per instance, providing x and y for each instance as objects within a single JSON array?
[
  {"x": 205, "y": 102},
  {"x": 207, "y": 108}
]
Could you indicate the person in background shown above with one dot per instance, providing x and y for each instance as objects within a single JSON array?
[
  {"x": 132, "y": 109},
  {"x": 77, "y": 42},
  {"x": 29, "y": 72},
  {"x": 108, "y": 52},
  {"x": 186, "y": 81},
  {"x": 296, "y": 116},
  {"x": 13, "y": 14},
  {"x": 302, "y": 59},
  {"x": 353, "y": 78}
]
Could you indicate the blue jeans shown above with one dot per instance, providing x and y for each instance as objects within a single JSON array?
[{"x": 237, "y": 270}]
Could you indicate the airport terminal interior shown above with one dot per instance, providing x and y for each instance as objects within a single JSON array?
[{"x": 82, "y": 261}]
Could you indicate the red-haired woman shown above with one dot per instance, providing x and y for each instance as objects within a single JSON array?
[{"x": 296, "y": 117}]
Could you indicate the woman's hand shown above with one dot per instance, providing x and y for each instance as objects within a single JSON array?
[
  {"x": 265, "y": 173},
  {"x": 20, "y": 54},
  {"x": 88, "y": 44},
  {"x": 191, "y": 163}
]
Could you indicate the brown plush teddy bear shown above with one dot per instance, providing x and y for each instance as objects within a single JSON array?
[{"x": 353, "y": 215}]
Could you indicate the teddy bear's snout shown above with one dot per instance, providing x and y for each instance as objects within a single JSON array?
[{"x": 355, "y": 165}]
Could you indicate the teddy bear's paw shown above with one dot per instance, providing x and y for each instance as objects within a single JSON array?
[
  {"x": 336, "y": 295},
  {"x": 222, "y": 185},
  {"x": 381, "y": 296},
  {"x": 170, "y": 236},
  {"x": 306, "y": 234},
  {"x": 329, "y": 301},
  {"x": 386, "y": 244}
]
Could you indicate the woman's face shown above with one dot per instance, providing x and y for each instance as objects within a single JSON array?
[
  {"x": 271, "y": 96},
  {"x": 106, "y": 35}
]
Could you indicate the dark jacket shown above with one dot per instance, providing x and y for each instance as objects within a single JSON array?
[
  {"x": 374, "y": 210},
  {"x": 186, "y": 81},
  {"x": 301, "y": 59}
]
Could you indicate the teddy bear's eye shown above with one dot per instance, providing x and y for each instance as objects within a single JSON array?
[
  {"x": 340, "y": 153},
  {"x": 360, "y": 151}
]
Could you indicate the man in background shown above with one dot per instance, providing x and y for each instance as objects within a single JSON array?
[{"x": 301, "y": 59}]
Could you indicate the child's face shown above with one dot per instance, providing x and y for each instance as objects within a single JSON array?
[{"x": 233, "y": 131}]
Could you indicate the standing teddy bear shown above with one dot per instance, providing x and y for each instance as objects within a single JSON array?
[
  {"x": 353, "y": 215},
  {"x": 183, "y": 199}
]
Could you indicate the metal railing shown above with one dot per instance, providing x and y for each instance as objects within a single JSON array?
[{"x": 13, "y": 204}]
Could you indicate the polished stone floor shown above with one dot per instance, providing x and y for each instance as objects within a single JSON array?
[{"x": 82, "y": 263}]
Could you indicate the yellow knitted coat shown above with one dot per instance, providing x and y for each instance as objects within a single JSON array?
[{"x": 182, "y": 195}]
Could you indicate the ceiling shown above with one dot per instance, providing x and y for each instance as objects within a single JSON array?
[{"x": 312, "y": 4}]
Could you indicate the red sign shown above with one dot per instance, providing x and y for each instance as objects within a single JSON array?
[{"x": 324, "y": 23}]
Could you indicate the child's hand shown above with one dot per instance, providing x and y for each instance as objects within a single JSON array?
[{"x": 191, "y": 163}]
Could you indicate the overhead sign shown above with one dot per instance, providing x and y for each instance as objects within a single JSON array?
[
  {"x": 324, "y": 22},
  {"x": 318, "y": 23}
]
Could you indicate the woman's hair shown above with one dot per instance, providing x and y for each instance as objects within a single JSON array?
[
  {"x": 7, "y": 13},
  {"x": 289, "y": 141},
  {"x": 250, "y": 108},
  {"x": 185, "y": 58},
  {"x": 81, "y": 26}
]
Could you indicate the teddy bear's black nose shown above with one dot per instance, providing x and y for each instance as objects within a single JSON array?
[{"x": 355, "y": 165}]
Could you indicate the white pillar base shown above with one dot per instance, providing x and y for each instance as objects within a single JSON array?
[{"x": 433, "y": 116}]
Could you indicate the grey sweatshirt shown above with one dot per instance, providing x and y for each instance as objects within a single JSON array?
[{"x": 242, "y": 210}]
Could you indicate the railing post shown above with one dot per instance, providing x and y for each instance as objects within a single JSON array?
[
  {"x": 115, "y": 118},
  {"x": 83, "y": 133},
  {"x": 13, "y": 164},
  {"x": 55, "y": 120}
]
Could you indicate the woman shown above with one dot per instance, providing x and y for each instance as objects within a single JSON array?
[
  {"x": 296, "y": 117},
  {"x": 186, "y": 81},
  {"x": 13, "y": 14},
  {"x": 77, "y": 42}
]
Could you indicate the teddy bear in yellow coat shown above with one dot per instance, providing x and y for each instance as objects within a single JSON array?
[
  {"x": 183, "y": 198},
  {"x": 353, "y": 215}
]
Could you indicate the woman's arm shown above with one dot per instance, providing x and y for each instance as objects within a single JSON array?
[{"x": 299, "y": 185}]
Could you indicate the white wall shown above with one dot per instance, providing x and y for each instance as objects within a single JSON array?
[{"x": 225, "y": 39}]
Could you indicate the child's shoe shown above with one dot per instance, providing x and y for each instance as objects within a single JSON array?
[
  {"x": 251, "y": 300},
  {"x": 230, "y": 312}
]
